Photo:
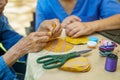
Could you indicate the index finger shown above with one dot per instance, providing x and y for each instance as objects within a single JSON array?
[
  {"x": 56, "y": 25},
  {"x": 41, "y": 34},
  {"x": 78, "y": 34},
  {"x": 76, "y": 18}
]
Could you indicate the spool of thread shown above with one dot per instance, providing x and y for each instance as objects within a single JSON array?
[
  {"x": 106, "y": 48},
  {"x": 111, "y": 62},
  {"x": 105, "y": 53}
]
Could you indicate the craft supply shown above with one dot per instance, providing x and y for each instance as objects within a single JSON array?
[
  {"x": 93, "y": 38},
  {"x": 106, "y": 48},
  {"x": 55, "y": 61},
  {"x": 79, "y": 64},
  {"x": 80, "y": 40},
  {"x": 58, "y": 45},
  {"x": 91, "y": 44},
  {"x": 104, "y": 42},
  {"x": 51, "y": 33},
  {"x": 105, "y": 53},
  {"x": 109, "y": 43},
  {"x": 111, "y": 62}
]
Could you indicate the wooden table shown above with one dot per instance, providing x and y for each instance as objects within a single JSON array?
[{"x": 97, "y": 71}]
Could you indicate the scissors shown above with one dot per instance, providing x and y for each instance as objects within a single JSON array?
[{"x": 54, "y": 61}]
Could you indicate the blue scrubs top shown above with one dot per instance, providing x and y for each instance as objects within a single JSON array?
[{"x": 87, "y": 10}]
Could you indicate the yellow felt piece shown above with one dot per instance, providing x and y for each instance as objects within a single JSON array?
[
  {"x": 79, "y": 64},
  {"x": 58, "y": 45},
  {"x": 54, "y": 26},
  {"x": 50, "y": 39},
  {"x": 80, "y": 40}
]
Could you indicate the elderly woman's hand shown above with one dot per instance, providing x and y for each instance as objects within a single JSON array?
[
  {"x": 2, "y": 5},
  {"x": 70, "y": 19},
  {"x": 34, "y": 42},
  {"x": 51, "y": 26}
]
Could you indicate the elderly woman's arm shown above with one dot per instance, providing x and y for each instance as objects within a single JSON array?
[{"x": 34, "y": 42}]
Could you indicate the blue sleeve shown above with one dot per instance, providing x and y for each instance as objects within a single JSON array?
[
  {"x": 8, "y": 37},
  {"x": 6, "y": 73},
  {"x": 109, "y": 8},
  {"x": 39, "y": 14}
]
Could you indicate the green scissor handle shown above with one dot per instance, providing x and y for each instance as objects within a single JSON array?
[{"x": 54, "y": 61}]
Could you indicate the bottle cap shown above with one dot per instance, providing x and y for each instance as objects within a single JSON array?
[{"x": 93, "y": 38}]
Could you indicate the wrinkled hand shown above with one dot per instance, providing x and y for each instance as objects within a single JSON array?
[
  {"x": 52, "y": 26},
  {"x": 77, "y": 29},
  {"x": 2, "y": 5},
  {"x": 69, "y": 20},
  {"x": 34, "y": 42}
]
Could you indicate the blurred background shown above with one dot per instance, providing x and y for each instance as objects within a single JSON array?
[{"x": 20, "y": 14}]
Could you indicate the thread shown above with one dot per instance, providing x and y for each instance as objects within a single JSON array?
[
  {"x": 111, "y": 62},
  {"x": 106, "y": 48}
]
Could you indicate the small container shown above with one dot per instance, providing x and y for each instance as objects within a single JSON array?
[
  {"x": 111, "y": 62},
  {"x": 91, "y": 44},
  {"x": 93, "y": 38}
]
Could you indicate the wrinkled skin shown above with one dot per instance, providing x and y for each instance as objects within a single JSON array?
[
  {"x": 47, "y": 26},
  {"x": 34, "y": 42},
  {"x": 77, "y": 29}
]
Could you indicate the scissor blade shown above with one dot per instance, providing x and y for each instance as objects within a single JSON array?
[{"x": 84, "y": 51}]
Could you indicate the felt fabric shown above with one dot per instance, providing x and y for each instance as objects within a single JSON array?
[
  {"x": 79, "y": 64},
  {"x": 58, "y": 45},
  {"x": 80, "y": 40}
]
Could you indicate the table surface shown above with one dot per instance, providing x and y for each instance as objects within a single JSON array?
[{"x": 97, "y": 71}]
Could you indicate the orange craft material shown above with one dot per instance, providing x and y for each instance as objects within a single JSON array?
[
  {"x": 78, "y": 64},
  {"x": 58, "y": 45}
]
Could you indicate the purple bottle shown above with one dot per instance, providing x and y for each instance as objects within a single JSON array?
[{"x": 111, "y": 62}]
